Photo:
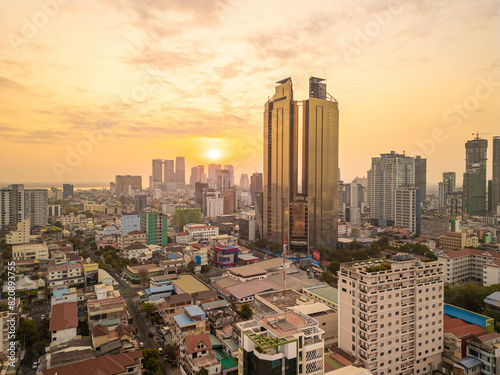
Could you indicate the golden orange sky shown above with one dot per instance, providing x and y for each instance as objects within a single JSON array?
[{"x": 93, "y": 89}]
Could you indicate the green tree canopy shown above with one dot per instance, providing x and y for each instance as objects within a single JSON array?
[
  {"x": 28, "y": 332},
  {"x": 245, "y": 311}
]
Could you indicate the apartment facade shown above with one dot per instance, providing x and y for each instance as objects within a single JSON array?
[
  {"x": 30, "y": 251},
  {"x": 284, "y": 343},
  {"x": 391, "y": 314}
]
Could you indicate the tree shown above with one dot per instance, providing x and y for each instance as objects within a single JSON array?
[
  {"x": 85, "y": 254},
  {"x": 151, "y": 362},
  {"x": 205, "y": 268},
  {"x": 7, "y": 254},
  {"x": 327, "y": 277},
  {"x": 245, "y": 311},
  {"x": 28, "y": 332},
  {"x": 334, "y": 267},
  {"x": 58, "y": 224},
  {"x": 148, "y": 308},
  {"x": 203, "y": 371},
  {"x": 191, "y": 267},
  {"x": 134, "y": 261},
  {"x": 171, "y": 352},
  {"x": 144, "y": 276},
  {"x": 262, "y": 243}
]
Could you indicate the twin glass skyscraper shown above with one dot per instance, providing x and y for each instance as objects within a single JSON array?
[{"x": 305, "y": 218}]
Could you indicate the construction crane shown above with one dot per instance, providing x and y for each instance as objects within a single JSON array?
[{"x": 478, "y": 134}]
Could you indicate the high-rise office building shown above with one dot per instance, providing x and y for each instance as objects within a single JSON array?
[
  {"x": 421, "y": 176},
  {"x": 495, "y": 189},
  {"x": 180, "y": 170},
  {"x": 388, "y": 172},
  {"x": 391, "y": 314},
  {"x": 168, "y": 171},
  {"x": 312, "y": 214},
  {"x": 67, "y": 191},
  {"x": 12, "y": 205},
  {"x": 140, "y": 202},
  {"x": 223, "y": 179},
  {"x": 212, "y": 173},
  {"x": 36, "y": 206},
  {"x": 255, "y": 185},
  {"x": 244, "y": 182},
  {"x": 408, "y": 209},
  {"x": 157, "y": 176},
  {"x": 474, "y": 189},
  {"x": 230, "y": 169},
  {"x": 197, "y": 173},
  {"x": 229, "y": 197},
  {"x": 447, "y": 186},
  {"x": 125, "y": 183}
]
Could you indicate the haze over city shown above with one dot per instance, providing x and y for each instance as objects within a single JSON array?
[{"x": 191, "y": 78}]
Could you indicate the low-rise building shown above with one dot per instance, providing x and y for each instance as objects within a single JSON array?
[
  {"x": 132, "y": 237},
  {"x": 486, "y": 348},
  {"x": 174, "y": 305},
  {"x": 64, "y": 276},
  {"x": 225, "y": 256},
  {"x": 118, "y": 364},
  {"x": 135, "y": 250},
  {"x": 64, "y": 321},
  {"x": 133, "y": 273},
  {"x": 107, "y": 309},
  {"x": 191, "y": 323},
  {"x": 196, "y": 352},
  {"x": 200, "y": 231},
  {"x": 21, "y": 235},
  {"x": 457, "y": 241},
  {"x": 30, "y": 251}
]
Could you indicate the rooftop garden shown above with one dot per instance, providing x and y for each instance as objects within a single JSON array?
[{"x": 378, "y": 268}]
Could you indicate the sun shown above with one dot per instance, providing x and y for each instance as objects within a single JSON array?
[{"x": 214, "y": 154}]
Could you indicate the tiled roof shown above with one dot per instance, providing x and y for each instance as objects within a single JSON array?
[
  {"x": 193, "y": 341},
  {"x": 105, "y": 365},
  {"x": 464, "y": 252},
  {"x": 99, "y": 330},
  {"x": 461, "y": 328},
  {"x": 64, "y": 316},
  {"x": 136, "y": 232},
  {"x": 488, "y": 337}
]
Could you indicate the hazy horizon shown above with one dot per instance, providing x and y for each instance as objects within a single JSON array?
[{"x": 94, "y": 89}]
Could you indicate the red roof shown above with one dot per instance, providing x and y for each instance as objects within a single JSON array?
[
  {"x": 193, "y": 341},
  {"x": 461, "y": 328},
  {"x": 464, "y": 252},
  {"x": 488, "y": 337},
  {"x": 64, "y": 316},
  {"x": 136, "y": 232},
  {"x": 106, "y": 365}
]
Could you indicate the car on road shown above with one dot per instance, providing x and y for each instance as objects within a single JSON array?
[
  {"x": 160, "y": 350},
  {"x": 42, "y": 317},
  {"x": 35, "y": 365},
  {"x": 141, "y": 345}
]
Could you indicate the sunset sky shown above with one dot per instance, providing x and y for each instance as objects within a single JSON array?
[{"x": 91, "y": 89}]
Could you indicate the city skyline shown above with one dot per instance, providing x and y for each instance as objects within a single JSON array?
[{"x": 141, "y": 83}]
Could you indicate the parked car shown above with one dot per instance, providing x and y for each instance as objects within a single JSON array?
[
  {"x": 35, "y": 365},
  {"x": 42, "y": 317},
  {"x": 141, "y": 345}
]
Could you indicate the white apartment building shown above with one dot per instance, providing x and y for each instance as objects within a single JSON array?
[
  {"x": 408, "y": 209},
  {"x": 30, "y": 251},
  {"x": 290, "y": 341},
  {"x": 201, "y": 231},
  {"x": 21, "y": 235},
  {"x": 391, "y": 314},
  {"x": 60, "y": 277},
  {"x": 215, "y": 204},
  {"x": 471, "y": 265}
]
